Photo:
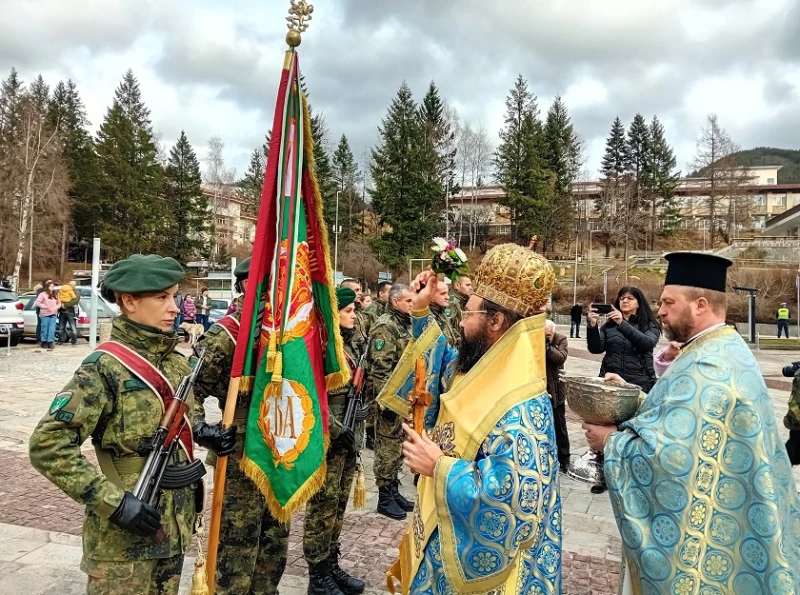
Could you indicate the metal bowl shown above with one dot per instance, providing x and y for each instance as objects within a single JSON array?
[{"x": 598, "y": 402}]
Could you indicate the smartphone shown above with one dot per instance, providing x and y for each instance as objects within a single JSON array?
[{"x": 601, "y": 308}]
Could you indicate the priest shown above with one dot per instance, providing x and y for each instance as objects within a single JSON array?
[
  {"x": 699, "y": 479},
  {"x": 488, "y": 515}
]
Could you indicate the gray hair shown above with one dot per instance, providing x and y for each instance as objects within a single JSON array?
[
  {"x": 397, "y": 291},
  {"x": 549, "y": 324}
]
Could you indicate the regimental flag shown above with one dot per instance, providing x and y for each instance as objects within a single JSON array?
[{"x": 290, "y": 351}]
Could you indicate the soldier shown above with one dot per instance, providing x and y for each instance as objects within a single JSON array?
[
  {"x": 462, "y": 289},
  {"x": 389, "y": 337},
  {"x": 363, "y": 321},
  {"x": 380, "y": 306},
  {"x": 792, "y": 418},
  {"x": 253, "y": 545},
  {"x": 441, "y": 312},
  {"x": 119, "y": 408},
  {"x": 325, "y": 511}
]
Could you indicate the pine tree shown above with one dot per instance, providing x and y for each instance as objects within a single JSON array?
[
  {"x": 67, "y": 112},
  {"x": 130, "y": 218},
  {"x": 347, "y": 176},
  {"x": 636, "y": 149},
  {"x": 614, "y": 194},
  {"x": 39, "y": 92},
  {"x": 441, "y": 150},
  {"x": 661, "y": 179},
  {"x": 401, "y": 194},
  {"x": 323, "y": 171},
  {"x": 252, "y": 183},
  {"x": 186, "y": 204},
  {"x": 519, "y": 164}
]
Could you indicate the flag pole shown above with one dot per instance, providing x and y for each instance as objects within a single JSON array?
[{"x": 299, "y": 14}]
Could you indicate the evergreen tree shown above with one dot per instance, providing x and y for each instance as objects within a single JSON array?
[
  {"x": 637, "y": 147},
  {"x": 401, "y": 193},
  {"x": 39, "y": 92},
  {"x": 661, "y": 179},
  {"x": 130, "y": 218},
  {"x": 323, "y": 171},
  {"x": 67, "y": 113},
  {"x": 187, "y": 205},
  {"x": 252, "y": 183},
  {"x": 441, "y": 151},
  {"x": 347, "y": 176},
  {"x": 614, "y": 194},
  {"x": 615, "y": 159},
  {"x": 11, "y": 91},
  {"x": 519, "y": 166}
]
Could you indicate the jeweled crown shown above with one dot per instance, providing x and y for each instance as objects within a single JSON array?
[{"x": 515, "y": 278}]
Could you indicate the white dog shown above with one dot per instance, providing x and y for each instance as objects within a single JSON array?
[{"x": 193, "y": 331}]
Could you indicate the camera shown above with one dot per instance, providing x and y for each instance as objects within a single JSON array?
[{"x": 790, "y": 370}]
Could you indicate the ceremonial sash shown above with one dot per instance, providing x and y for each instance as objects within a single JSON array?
[
  {"x": 511, "y": 372},
  {"x": 155, "y": 380},
  {"x": 231, "y": 326}
]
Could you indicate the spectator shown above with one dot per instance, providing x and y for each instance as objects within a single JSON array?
[
  {"x": 233, "y": 307},
  {"x": 38, "y": 289},
  {"x": 555, "y": 356},
  {"x": 627, "y": 339},
  {"x": 203, "y": 308},
  {"x": 782, "y": 315},
  {"x": 67, "y": 329},
  {"x": 179, "y": 303},
  {"x": 189, "y": 310},
  {"x": 48, "y": 305},
  {"x": 575, "y": 315}
]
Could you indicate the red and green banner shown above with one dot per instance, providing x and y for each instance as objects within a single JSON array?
[{"x": 289, "y": 352}]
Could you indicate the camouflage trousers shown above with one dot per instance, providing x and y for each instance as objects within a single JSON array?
[
  {"x": 252, "y": 544},
  {"x": 325, "y": 511},
  {"x": 142, "y": 577},
  {"x": 388, "y": 448}
]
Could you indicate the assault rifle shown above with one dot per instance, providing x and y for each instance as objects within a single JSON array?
[
  {"x": 356, "y": 411},
  {"x": 156, "y": 474}
]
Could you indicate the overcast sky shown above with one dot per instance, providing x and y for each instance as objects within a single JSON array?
[{"x": 211, "y": 67}]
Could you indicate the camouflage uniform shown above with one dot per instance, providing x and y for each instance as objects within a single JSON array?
[
  {"x": 325, "y": 511},
  {"x": 113, "y": 406},
  {"x": 252, "y": 545},
  {"x": 362, "y": 327},
  {"x": 443, "y": 317},
  {"x": 388, "y": 339},
  {"x": 377, "y": 309},
  {"x": 792, "y": 421},
  {"x": 458, "y": 301}
]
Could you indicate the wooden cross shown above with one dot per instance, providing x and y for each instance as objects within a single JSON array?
[{"x": 419, "y": 398}]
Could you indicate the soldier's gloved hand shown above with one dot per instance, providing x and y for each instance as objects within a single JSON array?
[
  {"x": 793, "y": 447},
  {"x": 389, "y": 415},
  {"x": 136, "y": 516},
  {"x": 215, "y": 438},
  {"x": 347, "y": 439}
]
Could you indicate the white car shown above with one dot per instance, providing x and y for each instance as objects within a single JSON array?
[{"x": 11, "y": 319}]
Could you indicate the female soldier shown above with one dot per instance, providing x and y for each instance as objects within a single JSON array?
[
  {"x": 325, "y": 511},
  {"x": 120, "y": 409}
]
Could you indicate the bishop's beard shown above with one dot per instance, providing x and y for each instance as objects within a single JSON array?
[{"x": 472, "y": 350}]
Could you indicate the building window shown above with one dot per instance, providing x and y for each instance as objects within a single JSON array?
[
  {"x": 760, "y": 200},
  {"x": 770, "y": 181},
  {"x": 780, "y": 200}
]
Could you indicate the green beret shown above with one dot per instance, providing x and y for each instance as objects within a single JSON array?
[
  {"x": 344, "y": 297},
  {"x": 142, "y": 273},
  {"x": 242, "y": 270}
]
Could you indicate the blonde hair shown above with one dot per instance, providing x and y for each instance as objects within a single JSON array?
[{"x": 717, "y": 300}]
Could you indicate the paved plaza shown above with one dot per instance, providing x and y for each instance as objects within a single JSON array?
[{"x": 40, "y": 546}]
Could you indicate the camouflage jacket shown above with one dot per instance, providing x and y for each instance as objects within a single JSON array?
[
  {"x": 388, "y": 339},
  {"x": 362, "y": 329},
  {"x": 377, "y": 309},
  {"x": 113, "y": 406},
  {"x": 337, "y": 399},
  {"x": 458, "y": 301},
  {"x": 792, "y": 418},
  {"x": 444, "y": 318}
]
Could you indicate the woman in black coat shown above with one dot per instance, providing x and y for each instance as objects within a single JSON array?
[{"x": 627, "y": 339}]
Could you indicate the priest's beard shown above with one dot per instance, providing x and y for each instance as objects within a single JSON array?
[
  {"x": 472, "y": 349},
  {"x": 680, "y": 330}
]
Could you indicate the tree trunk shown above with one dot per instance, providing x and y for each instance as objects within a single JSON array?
[
  {"x": 63, "y": 259},
  {"x": 27, "y": 201}
]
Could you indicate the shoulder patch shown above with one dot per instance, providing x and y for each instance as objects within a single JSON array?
[
  {"x": 378, "y": 344},
  {"x": 64, "y": 416},
  {"x": 134, "y": 384},
  {"x": 214, "y": 330},
  {"x": 92, "y": 358},
  {"x": 448, "y": 312},
  {"x": 60, "y": 400}
]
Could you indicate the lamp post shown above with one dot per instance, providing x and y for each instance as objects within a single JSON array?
[
  {"x": 575, "y": 281},
  {"x": 591, "y": 233},
  {"x": 626, "y": 259},
  {"x": 336, "y": 237}
]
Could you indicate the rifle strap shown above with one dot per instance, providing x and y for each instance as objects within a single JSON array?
[{"x": 155, "y": 380}]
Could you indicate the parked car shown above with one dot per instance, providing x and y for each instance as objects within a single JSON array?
[
  {"x": 86, "y": 291},
  {"x": 219, "y": 307},
  {"x": 105, "y": 314},
  {"x": 11, "y": 318}
]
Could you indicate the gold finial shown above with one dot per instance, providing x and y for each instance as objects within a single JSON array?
[{"x": 299, "y": 15}]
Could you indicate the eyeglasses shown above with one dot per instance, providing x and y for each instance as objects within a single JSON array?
[{"x": 466, "y": 313}]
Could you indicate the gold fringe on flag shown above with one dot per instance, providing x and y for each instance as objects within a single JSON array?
[{"x": 200, "y": 579}]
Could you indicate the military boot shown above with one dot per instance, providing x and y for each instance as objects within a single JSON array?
[
  {"x": 387, "y": 505},
  {"x": 349, "y": 585},
  {"x": 320, "y": 580},
  {"x": 401, "y": 500}
]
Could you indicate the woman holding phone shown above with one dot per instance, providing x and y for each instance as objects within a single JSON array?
[{"x": 627, "y": 339}]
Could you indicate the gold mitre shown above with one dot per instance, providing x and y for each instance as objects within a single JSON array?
[{"x": 515, "y": 278}]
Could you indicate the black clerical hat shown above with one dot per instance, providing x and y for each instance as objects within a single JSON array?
[{"x": 696, "y": 269}]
